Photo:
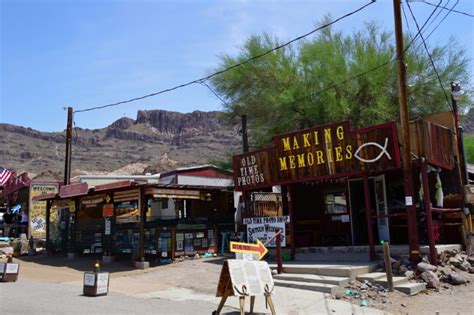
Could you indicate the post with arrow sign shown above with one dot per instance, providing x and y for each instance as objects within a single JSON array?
[{"x": 249, "y": 250}]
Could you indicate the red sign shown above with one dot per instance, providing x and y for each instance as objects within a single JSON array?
[
  {"x": 16, "y": 183},
  {"x": 320, "y": 152},
  {"x": 108, "y": 210},
  {"x": 124, "y": 183},
  {"x": 73, "y": 190}
]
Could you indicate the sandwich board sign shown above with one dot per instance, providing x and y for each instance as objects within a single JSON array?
[{"x": 245, "y": 278}]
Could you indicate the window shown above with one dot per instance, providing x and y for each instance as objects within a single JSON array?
[
  {"x": 335, "y": 203},
  {"x": 164, "y": 203}
]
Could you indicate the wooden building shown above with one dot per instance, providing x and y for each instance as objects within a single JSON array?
[
  {"x": 133, "y": 219},
  {"x": 346, "y": 187},
  {"x": 29, "y": 216}
]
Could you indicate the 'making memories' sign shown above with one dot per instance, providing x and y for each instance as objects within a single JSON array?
[{"x": 317, "y": 153}]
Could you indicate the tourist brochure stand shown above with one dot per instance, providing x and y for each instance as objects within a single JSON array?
[
  {"x": 96, "y": 283},
  {"x": 245, "y": 279},
  {"x": 9, "y": 271}
]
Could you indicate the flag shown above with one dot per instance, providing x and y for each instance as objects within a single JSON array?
[{"x": 5, "y": 176}]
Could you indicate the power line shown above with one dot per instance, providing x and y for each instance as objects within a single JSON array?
[
  {"x": 429, "y": 55},
  {"x": 231, "y": 67},
  {"x": 437, "y": 14},
  {"x": 214, "y": 92},
  {"x": 445, "y": 8},
  {"x": 445, "y": 16}
]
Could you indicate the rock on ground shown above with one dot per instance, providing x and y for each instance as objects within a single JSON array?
[
  {"x": 431, "y": 279},
  {"x": 422, "y": 267},
  {"x": 457, "y": 278}
]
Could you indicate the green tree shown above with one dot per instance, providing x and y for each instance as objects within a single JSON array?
[{"x": 289, "y": 88}]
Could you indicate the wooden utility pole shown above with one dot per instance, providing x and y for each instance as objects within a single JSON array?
[
  {"x": 245, "y": 141},
  {"x": 405, "y": 126},
  {"x": 67, "y": 162}
]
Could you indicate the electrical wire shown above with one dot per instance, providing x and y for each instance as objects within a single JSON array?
[
  {"x": 446, "y": 15},
  {"x": 445, "y": 8},
  {"x": 198, "y": 81},
  {"x": 437, "y": 14},
  {"x": 429, "y": 55},
  {"x": 214, "y": 92}
]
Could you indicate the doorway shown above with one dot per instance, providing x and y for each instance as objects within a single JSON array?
[{"x": 378, "y": 202}]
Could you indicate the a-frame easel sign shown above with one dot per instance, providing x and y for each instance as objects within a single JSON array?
[{"x": 245, "y": 279}]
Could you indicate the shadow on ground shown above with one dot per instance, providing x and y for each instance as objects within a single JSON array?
[{"x": 86, "y": 263}]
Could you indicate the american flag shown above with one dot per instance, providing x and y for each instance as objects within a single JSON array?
[{"x": 5, "y": 176}]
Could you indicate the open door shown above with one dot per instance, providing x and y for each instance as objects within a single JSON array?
[{"x": 381, "y": 207}]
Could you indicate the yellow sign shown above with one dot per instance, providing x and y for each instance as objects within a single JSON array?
[
  {"x": 258, "y": 248},
  {"x": 37, "y": 210}
]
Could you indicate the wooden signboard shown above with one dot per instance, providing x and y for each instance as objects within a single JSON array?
[
  {"x": 318, "y": 153},
  {"x": 245, "y": 278}
]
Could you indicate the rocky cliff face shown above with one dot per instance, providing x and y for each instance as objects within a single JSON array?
[
  {"x": 158, "y": 139},
  {"x": 176, "y": 123}
]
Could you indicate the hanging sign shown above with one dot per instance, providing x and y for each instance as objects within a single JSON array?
[
  {"x": 320, "y": 152},
  {"x": 265, "y": 228}
]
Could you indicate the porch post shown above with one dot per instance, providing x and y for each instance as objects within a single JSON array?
[
  {"x": 245, "y": 197},
  {"x": 368, "y": 212},
  {"x": 48, "y": 226},
  {"x": 429, "y": 217},
  {"x": 142, "y": 226},
  {"x": 292, "y": 221}
]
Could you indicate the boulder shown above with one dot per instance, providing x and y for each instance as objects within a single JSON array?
[
  {"x": 422, "y": 267},
  {"x": 402, "y": 269},
  {"x": 455, "y": 261},
  {"x": 445, "y": 271},
  {"x": 464, "y": 266},
  {"x": 471, "y": 270},
  {"x": 431, "y": 279},
  {"x": 470, "y": 260},
  {"x": 409, "y": 274},
  {"x": 457, "y": 278}
]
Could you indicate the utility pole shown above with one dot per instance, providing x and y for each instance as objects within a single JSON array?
[
  {"x": 245, "y": 141},
  {"x": 67, "y": 162},
  {"x": 405, "y": 125}
]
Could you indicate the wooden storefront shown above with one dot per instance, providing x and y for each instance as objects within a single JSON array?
[
  {"x": 346, "y": 187},
  {"x": 139, "y": 221}
]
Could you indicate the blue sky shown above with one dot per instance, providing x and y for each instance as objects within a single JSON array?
[{"x": 85, "y": 53}]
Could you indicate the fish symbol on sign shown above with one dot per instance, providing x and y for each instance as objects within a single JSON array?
[{"x": 383, "y": 150}]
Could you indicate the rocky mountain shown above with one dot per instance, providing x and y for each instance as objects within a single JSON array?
[{"x": 156, "y": 141}]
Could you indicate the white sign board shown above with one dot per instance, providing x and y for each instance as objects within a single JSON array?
[
  {"x": 107, "y": 227},
  {"x": 247, "y": 278},
  {"x": 264, "y": 228},
  {"x": 89, "y": 279},
  {"x": 11, "y": 268},
  {"x": 102, "y": 282}
]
